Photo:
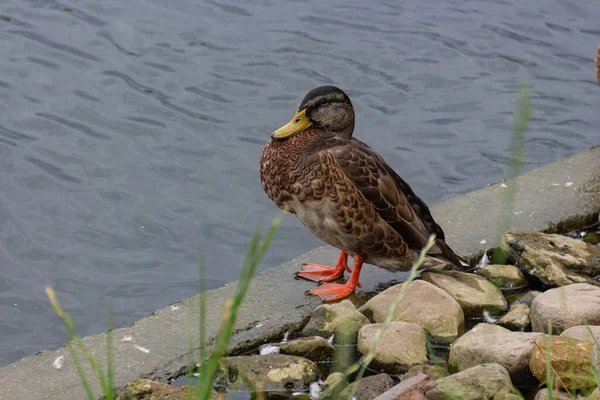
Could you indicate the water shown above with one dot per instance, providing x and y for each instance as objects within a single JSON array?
[{"x": 131, "y": 131}]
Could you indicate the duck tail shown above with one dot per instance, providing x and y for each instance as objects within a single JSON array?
[{"x": 448, "y": 256}]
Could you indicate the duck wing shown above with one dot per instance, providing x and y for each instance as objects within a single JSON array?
[{"x": 392, "y": 198}]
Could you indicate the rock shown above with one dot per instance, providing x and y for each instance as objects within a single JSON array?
[
  {"x": 571, "y": 361},
  {"x": 565, "y": 307},
  {"x": 526, "y": 298},
  {"x": 433, "y": 372},
  {"x": 424, "y": 304},
  {"x": 556, "y": 395},
  {"x": 581, "y": 333},
  {"x": 473, "y": 292},
  {"x": 487, "y": 343},
  {"x": 315, "y": 348},
  {"x": 479, "y": 382},
  {"x": 504, "y": 276},
  {"x": 272, "y": 372},
  {"x": 596, "y": 393},
  {"x": 146, "y": 389},
  {"x": 517, "y": 318},
  {"x": 507, "y": 396},
  {"x": 333, "y": 386},
  {"x": 370, "y": 387},
  {"x": 556, "y": 260},
  {"x": 341, "y": 319},
  {"x": 401, "y": 346},
  {"x": 409, "y": 389}
]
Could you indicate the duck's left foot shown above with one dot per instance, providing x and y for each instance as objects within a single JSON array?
[{"x": 333, "y": 291}]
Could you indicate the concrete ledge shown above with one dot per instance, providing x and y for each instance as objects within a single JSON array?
[{"x": 277, "y": 302}]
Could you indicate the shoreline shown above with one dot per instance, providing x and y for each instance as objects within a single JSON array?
[{"x": 563, "y": 189}]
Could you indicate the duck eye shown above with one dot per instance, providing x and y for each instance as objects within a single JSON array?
[{"x": 322, "y": 101}]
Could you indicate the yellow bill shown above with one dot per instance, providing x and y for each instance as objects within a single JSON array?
[{"x": 299, "y": 123}]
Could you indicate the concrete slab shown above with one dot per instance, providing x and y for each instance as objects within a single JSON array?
[{"x": 156, "y": 346}]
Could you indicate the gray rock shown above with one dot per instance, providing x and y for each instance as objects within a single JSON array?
[
  {"x": 556, "y": 260},
  {"x": 518, "y": 318},
  {"x": 273, "y": 372},
  {"x": 402, "y": 346},
  {"x": 581, "y": 332},
  {"x": 341, "y": 319},
  {"x": 565, "y": 307},
  {"x": 146, "y": 389},
  {"x": 504, "y": 276},
  {"x": 370, "y": 387},
  {"x": 333, "y": 386},
  {"x": 315, "y": 348},
  {"x": 473, "y": 292},
  {"x": 433, "y": 372},
  {"x": 556, "y": 395},
  {"x": 413, "y": 388},
  {"x": 525, "y": 298},
  {"x": 424, "y": 304},
  {"x": 487, "y": 343},
  {"x": 479, "y": 382}
]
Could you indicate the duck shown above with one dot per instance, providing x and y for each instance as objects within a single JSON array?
[{"x": 345, "y": 194}]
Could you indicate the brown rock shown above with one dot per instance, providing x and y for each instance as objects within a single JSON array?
[
  {"x": 424, "y": 304},
  {"x": 565, "y": 307},
  {"x": 372, "y": 386},
  {"x": 473, "y": 292},
  {"x": 570, "y": 359},
  {"x": 401, "y": 346}
]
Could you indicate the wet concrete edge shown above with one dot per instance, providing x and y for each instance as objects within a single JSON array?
[{"x": 276, "y": 303}]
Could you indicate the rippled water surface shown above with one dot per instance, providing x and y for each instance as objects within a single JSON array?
[{"x": 130, "y": 131}]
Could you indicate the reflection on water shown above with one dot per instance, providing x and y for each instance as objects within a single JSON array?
[{"x": 131, "y": 131}]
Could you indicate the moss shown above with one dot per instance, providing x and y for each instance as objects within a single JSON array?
[{"x": 574, "y": 223}]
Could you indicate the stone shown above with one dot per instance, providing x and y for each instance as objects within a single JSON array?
[
  {"x": 433, "y": 372},
  {"x": 473, "y": 292},
  {"x": 479, "y": 382},
  {"x": 518, "y": 318},
  {"x": 402, "y": 345},
  {"x": 596, "y": 393},
  {"x": 372, "y": 386},
  {"x": 556, "y": 260},
  {"x": 333, "y": 386},
  {"x": 424, "y": 304},
  {"x": 507, "y": 396},
  {"x": 487, "y": 343},
  {"x": 570, "y": 359},
  {"x": 340, "y": 319},
  {"x": 581, "y": 333},
  {"x": 413, "y": 388},
  {"x": 146, "y": 389},
  {"x": 526, "y": 298},
  {"x": 507, "y": 277},
  {"x": 314, "y": 348},
  {"x": 565, "y": 307},
  {"x": 272, "y": 372},
  {"x": 556, "y": 395}
]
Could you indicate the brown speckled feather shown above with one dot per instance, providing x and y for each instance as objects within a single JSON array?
[{"x": 346, "y": 195}]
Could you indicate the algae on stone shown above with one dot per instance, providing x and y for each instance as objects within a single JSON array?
[
  {"x": 556, "y": 260},
  {"x": 570, "y": 360},
  {"x": 504, "y": 276},
  {"x": 340, "y": 319}
]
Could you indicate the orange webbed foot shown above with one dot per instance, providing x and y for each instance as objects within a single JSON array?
[{"x": 333, "y": 291}]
